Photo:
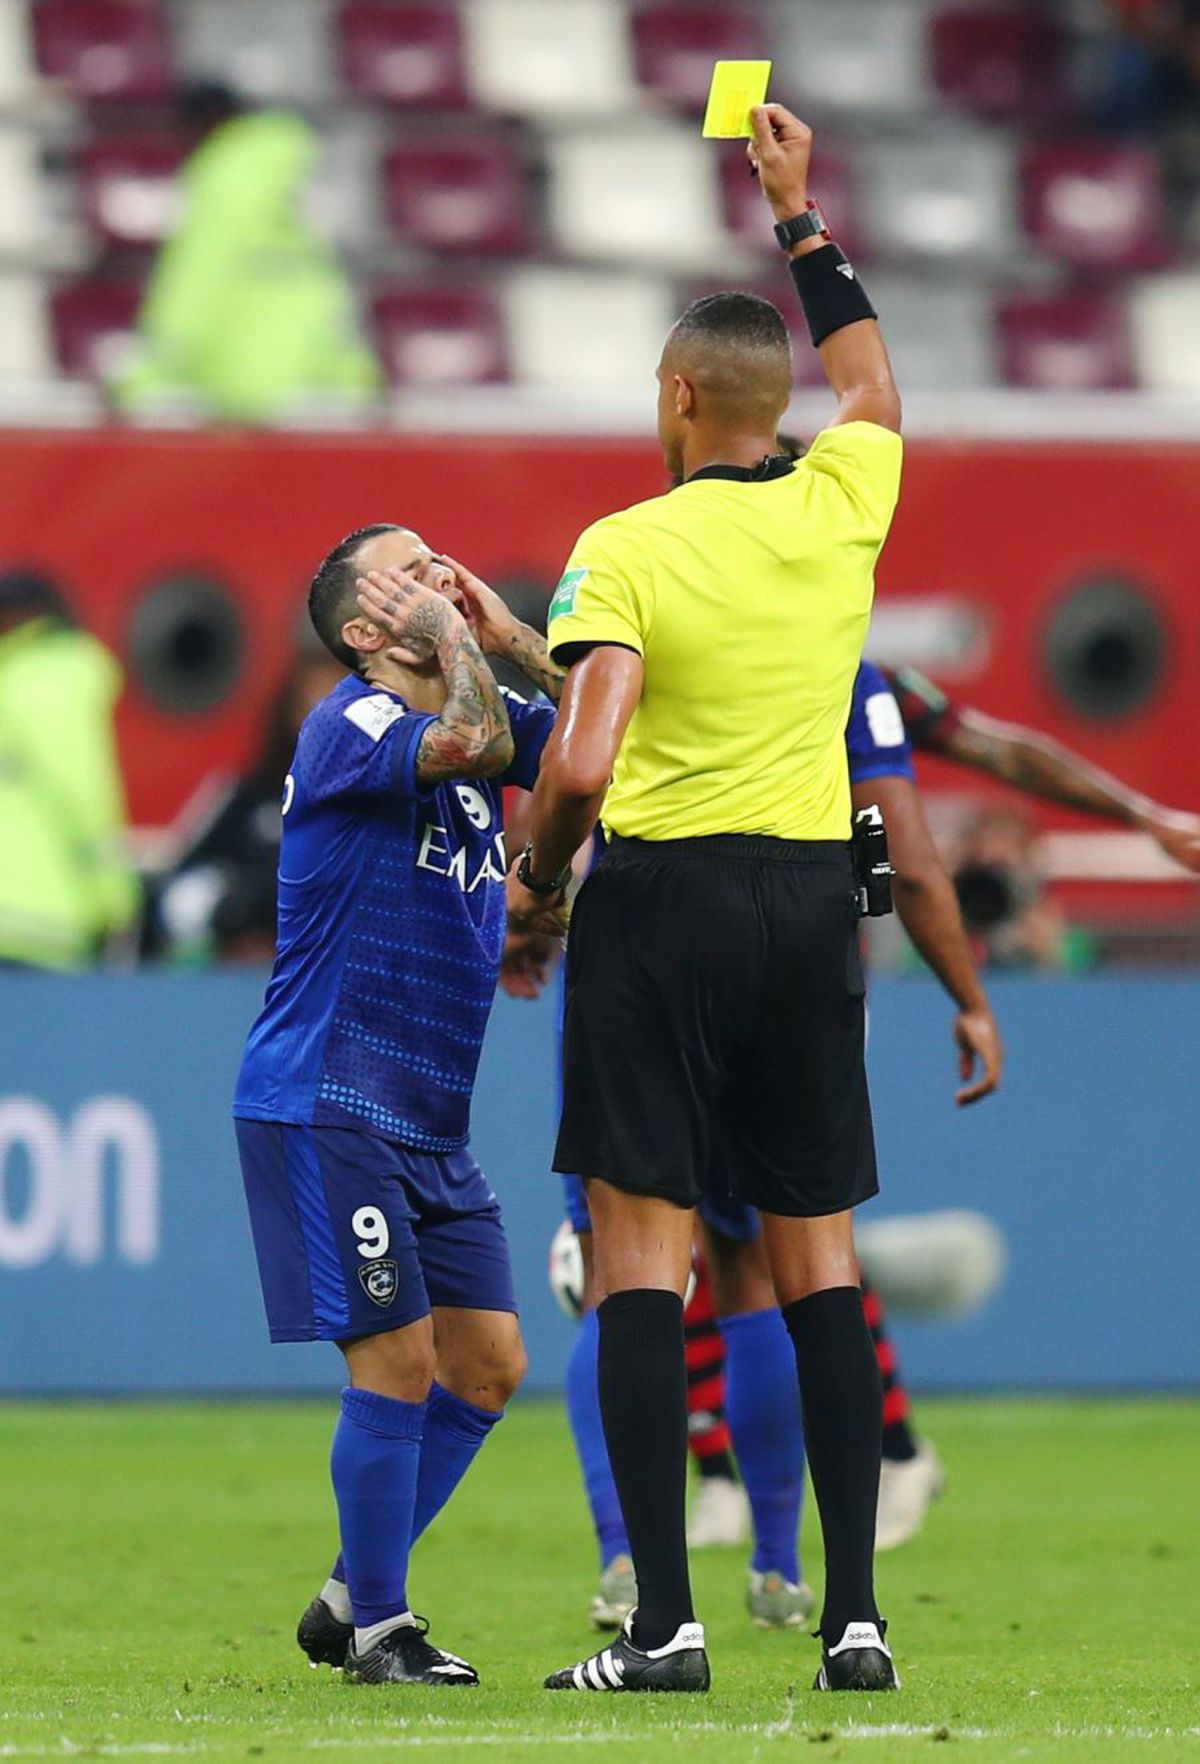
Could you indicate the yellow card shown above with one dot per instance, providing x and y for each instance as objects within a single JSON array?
[{"x": 737, "y": 86}]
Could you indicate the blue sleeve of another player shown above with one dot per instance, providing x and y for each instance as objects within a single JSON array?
[
  {"x": 361, "y": 748},
  {"x": 877, "y": 743},
  {"x": 531, "y": 725}
]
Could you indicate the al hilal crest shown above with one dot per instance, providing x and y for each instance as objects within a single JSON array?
[{"x": 379, "y": 1282}]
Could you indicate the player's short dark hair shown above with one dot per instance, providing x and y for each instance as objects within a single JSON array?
[
  {"x": 332, "y": 599},
  {"x": 744, "y": 320}
]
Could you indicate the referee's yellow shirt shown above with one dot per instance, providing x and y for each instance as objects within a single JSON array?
[{"x": 749, "y": 603}]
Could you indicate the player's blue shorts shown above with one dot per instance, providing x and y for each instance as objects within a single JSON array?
[
  {"x": 728, "y": 1217},
  {"x": 356, "y": 1235}
]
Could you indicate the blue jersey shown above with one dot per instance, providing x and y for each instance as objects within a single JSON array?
[
  {"x": 877, "y": 743},
  {"x": 391, "y": 925}
]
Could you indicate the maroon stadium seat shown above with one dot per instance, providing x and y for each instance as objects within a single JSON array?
[
  {"x": 748, "y": 217},
  {"x": 1000, "y": 61},
  {"x": 675, "y": 47},
  {"x": 104, "y": 48},
  {"x": 129, "y": 188},
  {"x": 90, "y": 320},
  {"x": 436, "y": 336},
  {"x": 402, "y": 53},
  {"x": 1097, "y": 204},
  {"x": 468, "y": 196},
  {"x": 1065, "y": 343}
]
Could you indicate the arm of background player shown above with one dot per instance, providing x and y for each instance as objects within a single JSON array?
[
  {"x": 854, "y": 358},
  {"x": 600, "y": 697},
  {"x": 929, "y": 911},
  {"x": 471, "y": 737},
  {"x": 1040, "y": 766},
  {"x": 499, "y": 633}
]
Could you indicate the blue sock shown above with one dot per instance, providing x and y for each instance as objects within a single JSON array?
[
  {"x": 375, "y": 1462},
  {"x": 583, "y": 1412},
  {"x": 454, "y": 1431},
  {"x": 762, "y": 1404}
]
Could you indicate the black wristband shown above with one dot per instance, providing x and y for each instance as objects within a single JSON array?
[{"x": 831, "y": 294}]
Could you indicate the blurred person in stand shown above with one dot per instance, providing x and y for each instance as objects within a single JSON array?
[
  {"x": 1013, "y": 920},
  {"x": 67, "y": 886},
  {"x": 220, "y": 899},
  {"x": 249, "y": 314}
]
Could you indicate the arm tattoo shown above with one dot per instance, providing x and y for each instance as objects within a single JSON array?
[
  {"x": 472, "y": 737},
  {"x": 527, "y": 650}
]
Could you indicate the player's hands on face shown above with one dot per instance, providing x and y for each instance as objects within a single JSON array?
[
  {"x": 492, "y": 624},
  {"x": 416, "y": 616},
  {"x": 1179, "y": 836},
  {"x": 780, "y": 153},
  {"x": 979, "y": 1045},
  {"x": 527, "y": 962},
  {"x": 535, "y": 912}
]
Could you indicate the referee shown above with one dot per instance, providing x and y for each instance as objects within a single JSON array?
[{"x": 715, "y": 1000}]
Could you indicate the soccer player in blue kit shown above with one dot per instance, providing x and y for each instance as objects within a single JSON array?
[{"x": 373, "y": 1225}]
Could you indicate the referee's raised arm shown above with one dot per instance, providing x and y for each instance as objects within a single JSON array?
[{"x": 843, "y": 323}]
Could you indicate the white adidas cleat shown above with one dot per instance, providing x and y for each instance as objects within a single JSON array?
[
  {"x": 720, "y": 1516},
  {"x": 908, "y": 1488}
]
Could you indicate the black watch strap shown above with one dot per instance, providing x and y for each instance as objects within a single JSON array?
[
  {"x": 527, "y": 879},
  {"x": 801, "y": 226}
]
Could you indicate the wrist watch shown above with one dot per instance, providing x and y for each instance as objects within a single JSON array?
[
  {"x": 527, "y": 879},
  {"x": 802, "y": 226}
]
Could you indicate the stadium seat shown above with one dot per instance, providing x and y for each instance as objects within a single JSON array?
[
  {"x": 528, "y": 57},
  {"x": 675, "y": 47},
  {"x": 402, "y": 54},
  {"x": 21, "y": 196},
  {"x": 1096, "y": 204},
  {"x": 93, "y": 323},
  {"x": 17, "y": 74},
  {"x": 1064, "y": 343},
  {"x": 950, "y": 196},
  {"x": 939, "y": 334},
  {"x": 130, "y": 189},
  {"x": 25, "y": 352},
  {"x": 1166, "y": 337},
  {"x": 1001, "y": 61},
  {"x": 104, "y": 48},
  {"x": 866, "y": 56},
  {"x": 587, "y": 331},
  {"x": 750, "y": 220},
  {"x": 439, "y": 336},
  {"x": 268, "y": 49},
  {"x": 459, "y": 196},
  {"x": 647, "y": 193}
]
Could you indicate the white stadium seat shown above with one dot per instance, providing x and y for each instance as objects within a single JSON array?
[
  {"x": 648, "y": 193},
  {"x": 852, "y": 55},
  {"x": 25, "y": 351},
  {"x": 530, "y": 57},
  {"x": 949, "y": 196},
  {"x": 939, "y": 334},
  {"x": 1166, "y": 337},
  {"x": 586, "y": 331},
  {"x": 272, "y": 50}
]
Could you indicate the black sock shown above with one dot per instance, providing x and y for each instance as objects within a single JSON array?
[
  {"x": 841, "y": 1398},
  {"x": 718, "y": 1464},
  {"x": 899, "y": 1444},
  {"x": 643, "y": 1404}
]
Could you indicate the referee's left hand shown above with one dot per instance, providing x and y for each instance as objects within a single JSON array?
[
  {"x": 535, "y": 912},
  {"x": 979, "y": 1045}
]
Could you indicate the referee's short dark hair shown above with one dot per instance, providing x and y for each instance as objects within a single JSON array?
[
  {"x": 744, "y": 320},
  {"x": 332, "y": 597}
]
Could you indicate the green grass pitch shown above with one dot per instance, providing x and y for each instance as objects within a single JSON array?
[{"x": 156, "y": 1559}]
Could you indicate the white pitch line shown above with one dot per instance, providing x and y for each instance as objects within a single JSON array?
[{"x": 607, "y": 1736}]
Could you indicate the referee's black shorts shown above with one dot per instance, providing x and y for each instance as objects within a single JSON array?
[{"x": 714, "y": 1025}]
